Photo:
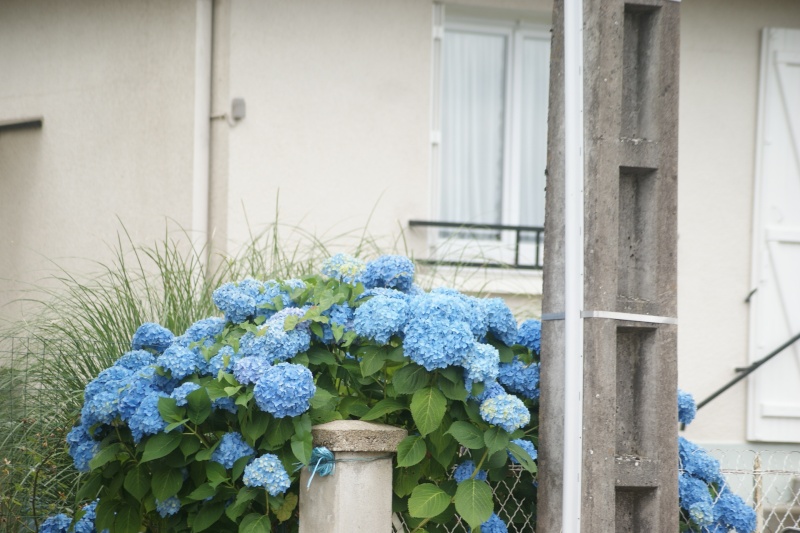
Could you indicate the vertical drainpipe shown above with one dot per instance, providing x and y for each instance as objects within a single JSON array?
[
  {"x": 573, "y": 265},
  {"x": 202, "y": 127}
]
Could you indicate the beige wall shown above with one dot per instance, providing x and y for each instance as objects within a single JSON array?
[
  {"x": 718, "y": 107},
  {"x": 114, "y": 83}
]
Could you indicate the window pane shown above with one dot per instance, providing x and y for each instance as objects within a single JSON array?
[
  {"x": 473, "y": 113},
  {"x": 535, "y": 75}
]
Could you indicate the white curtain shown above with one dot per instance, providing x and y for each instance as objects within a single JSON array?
[
  {"x": 473, "y": 123},
  {"x": 533, "y": 153}
]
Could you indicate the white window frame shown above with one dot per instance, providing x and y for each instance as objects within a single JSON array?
[{"x": 470, "y": 249}]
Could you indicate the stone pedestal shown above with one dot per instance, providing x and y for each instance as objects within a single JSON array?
[{"x": 357, "y": 497}]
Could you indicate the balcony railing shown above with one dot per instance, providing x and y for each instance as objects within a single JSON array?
[{"x": 536, "y": 241}]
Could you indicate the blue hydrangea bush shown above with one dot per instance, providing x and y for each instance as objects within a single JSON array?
[
  {"x": 707, "y": 504},
  {"x": 206, "y": 429}
]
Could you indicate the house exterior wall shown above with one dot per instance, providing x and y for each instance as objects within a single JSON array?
[
  {"x": 114, "y": 82},
  {"x": 338, "y": 125}
]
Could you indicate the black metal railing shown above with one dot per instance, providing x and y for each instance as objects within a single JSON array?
[
  {"x": 746, "y": 371},
  {"x": 537, "y": 241}
]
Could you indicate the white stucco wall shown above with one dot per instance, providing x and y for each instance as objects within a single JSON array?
[
  {"x": 720, "y": 46},
  {"x": 114, "y": 83}
]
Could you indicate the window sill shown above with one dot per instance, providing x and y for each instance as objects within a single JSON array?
[{"x": 494, "y": 281}]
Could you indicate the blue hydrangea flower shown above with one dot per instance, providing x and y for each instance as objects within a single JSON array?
[
  {"x": 235, "y": 302},
  {"x": 139, "y": 385},
  {"x": 181, "y": 362},
  {"x": 225, "y": 403},
  {"x": 86, "y": 523},
  {"x": 344, "y": 268},
  {"x": 135, "y": 360},
  {"x": 702, "y": 514},
  {"x": 250, "y": 369},
  {"x": 380, "y": 317},
  {"x": 686, "y": 407},
  {"x": 102, "y": 395},
  {"x": 147, "y": 420},
  {"x": 56, "y": 524},
  {"x": 224, "y": 361},
  {"x": 501, "y": 322},
  {"x": 204, "y": 330},
  {"x": 464, "y": 471},
  {"x": 494, "y": 525},
  {"x": 267, "y": 471},
  {"x": 285, "y": 390},
  {"x": 152, "y": 336},
  {"x": 526, "y": 445},
  {"x": 529, "y": 335},
  {"x": 82, "y": 447},
  {"x": 168, "y": 507},
  {"x": 506, "y": 411},
  {"x": 180, "y": 393},
  {"x": 339, "y": 315},
  {"x": 490, "y": 390},
  {"x": 437, "y": 334},
  {"x": 481, "y": 363},
  {"x": 519, "y": 378},
  {"x": 697, "y": 462},
  {"x": 732, "y": 511},
  {"x": 475, "y": 310},
  {"x": 274, "y": 342},
  {"x": 692, "y": 490},
  {"x": 389, "y": 271},
  {"x": 232, "y": 447}
]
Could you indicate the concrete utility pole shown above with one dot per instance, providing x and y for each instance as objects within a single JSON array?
[{"x": 618, "y": 440}]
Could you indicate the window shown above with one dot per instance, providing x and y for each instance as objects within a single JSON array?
[{"x": 489, "y": 135}]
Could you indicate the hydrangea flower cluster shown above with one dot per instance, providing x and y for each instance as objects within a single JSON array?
[
  {"x": 381, "y": 317},
  {"x": 285, "y": 390},
  {"x": 526, "y": 445},
  {"x": 151, "y": 336},
  {"x": 506, "y": 411},
  {"x": 168, "y": 507},
  {"x": 519, "y": 378},
  {"x": 465, "y": 470},
  {"x": 390, "y": 272},
  {"x": 343, "y": 267},
  {"x": 686, "y": 407},
  {"x": 529, "y": 335},
  {"x": 267, "y": 471},
  {"x": 494, "y": 525},
  {"x": 231, "y": 448}
]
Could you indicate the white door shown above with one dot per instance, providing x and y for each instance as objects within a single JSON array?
[{"x": 774, "y": 389}]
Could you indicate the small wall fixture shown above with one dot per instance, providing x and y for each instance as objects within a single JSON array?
[
  {"x": 238, "y": 112},
  {"x": 26, "y": 123}
]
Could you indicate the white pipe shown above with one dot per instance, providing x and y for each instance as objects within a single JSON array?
[
  {"x": 573, "y": 265},
  {"x": 202, "y": 126}
]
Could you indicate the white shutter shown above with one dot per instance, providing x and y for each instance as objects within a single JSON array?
[{"x": 774, "y": 390}]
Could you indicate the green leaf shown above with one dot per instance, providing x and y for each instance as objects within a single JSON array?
[
  {"x": 383, "y": 407},
  {"x": 109, "y": 453},
  {"x": 255, "y": 427},
  {"x": 474, "y": 502},
  {"x": 428, "y": 406},
  {"x": 506, "y": 353},
  {"x": 522, "y": 457},
  {"x": 302, "y": 425},
  {"x": 239, "y": 466},
  {"x": 128, "y": 520},
  {"x": 166, "y": 482},
  {"x": 207, "y": 516},
  {"x": 160, "y": 445},
  {"x": 281, "y": 432},
  {"x": 243, "y": 497},
  {"x": 175, "y": 425},
  {"x": 216, "y": 473},
  {"x": 105, "y": 513},
  {"x": 411, "y": 451},
  {"x": 467, "y": 435},
  {"x": 205, "y": 453},
  {"x": 137, "y": 482},
  {"x": 428, "y": 500},
  {"x": 202, "y": 492},
  {"x": 322, "y": 399},
  {"x": 410, "y": 379},
  {"x": 371, "y": 361},
  {"x": 199, "y": 407},
  {"x": 454, "y": 391},
  {"x": 452, "y": 374},
  {"x": 255, "y": 523},
  {"x": 405, "y": 479},
  {"x": 397, "y": 355},
  {"x": 496, "y": 439},
  {"x": 90, "y": 487},
  {"x": 320, "y": 356},
  {"x": 169, "y": 410},
  {"x": 189, "y": 445},
  {"x": 284, "y": 511},
  {"x": 301, "y": 448}
]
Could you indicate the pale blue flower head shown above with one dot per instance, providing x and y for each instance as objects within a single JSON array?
[
  {"x": 267, "y": 471},
  {"x": 250, "y": 369},
  {"x": 502, "y": 323},
  {"x": 168, "y": 507},
  {"x": 505, "y": 411},
  {"x": 56, "y": 524},
  {"x": 481, "y": 363},
  {"x": 152, "y": 336},
  {"x": 475, "y": 310},
  {"x": 285, "y": 390},
  {"x": 231, "y": 448},
  {"x": 344, "y": 268},
  {"x": 464, "y": 471},
  {"x": 180, "y": 393},
  {"x": 437, "y": 334},
  {"x": 380, "y": 318},
  {"x": 519, "y": 378},
  {"x": 494, "y": 525},
  {"x": 529, "y": 335},
  {"x": 389, "y": 271},
  {"x": 686, "y": 407},
  {"x": 223, "y": 361},
  {"x": 237, "y": 303},
  {"x": 82, "y": 448},
  {"x": 205, "y": 329},
  {"x": 274, "y": 342},
  {"x": 733, "y": 512},
  {"x": 526, "y": 445},
  {"x": 695, "y": 461},
  {"x": 147, "y": 420},
  {"x": 181, "y": 362},
  {"x": 136, "y": 360}
]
